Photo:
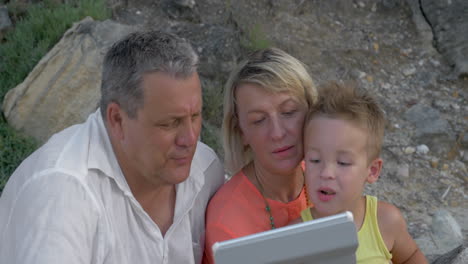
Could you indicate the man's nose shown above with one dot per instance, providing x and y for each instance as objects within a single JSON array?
[{"x": 188, "y": 134}]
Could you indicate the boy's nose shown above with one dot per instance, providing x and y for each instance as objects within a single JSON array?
[{"x": 327, "y": 172}]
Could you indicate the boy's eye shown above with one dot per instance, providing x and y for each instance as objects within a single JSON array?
[{"x": 341, "y": 163}]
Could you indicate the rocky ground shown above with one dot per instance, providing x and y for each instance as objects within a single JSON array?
[{"x": 413, "y": 55}]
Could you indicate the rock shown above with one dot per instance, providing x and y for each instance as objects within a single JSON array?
[
  {"x": 465, "y": 156},
  {"x": 403, "y": 171},
  {"x": 431, "y": 128},
  {"x": 409, "y": 71},
  {"x": 446, "y": 231},
  {"x": 5, "y": 21},
  {"x": 218, "y": 45},
  {"x": 458, "y": 255},
  {"x": 422, "y": 25},
  {"x": 422, "y": 149},
  {"x": 64, "y": 87},
  {"x": 464, "y": 141},
  {"x": 185, "y": 3},
  {"x": 449, "y": 22},
  {"x": 441, "y": 104},
  {"x": 409, "y": 150}
]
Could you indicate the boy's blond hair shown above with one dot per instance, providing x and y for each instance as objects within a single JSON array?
[{"x": 349, "y": 102}]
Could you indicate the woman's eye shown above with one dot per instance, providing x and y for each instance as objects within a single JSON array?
[
  {"x": 314, "y": 160},
  {"x": 341, "y": 163},
  {"x": 289, "y": 113},
  {"x": 258, "y": 121}
]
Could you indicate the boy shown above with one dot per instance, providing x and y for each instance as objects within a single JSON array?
[{"x": 342, "y": 141}]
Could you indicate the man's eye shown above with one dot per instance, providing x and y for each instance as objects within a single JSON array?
[
  {"x": 171, "y": 124},
  {"x": 195, "y": 117}
]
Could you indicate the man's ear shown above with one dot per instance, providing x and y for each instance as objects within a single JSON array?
[
  {"x": 114, "y": 116},
  {"x": 374, "y": 170}
]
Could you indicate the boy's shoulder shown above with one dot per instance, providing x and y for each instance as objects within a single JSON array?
[
  {"x": 391, "y": 221},
  {"x": 388, "y": 213}
]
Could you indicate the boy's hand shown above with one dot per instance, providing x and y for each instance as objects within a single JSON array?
[{"x": 295, "y": 221}]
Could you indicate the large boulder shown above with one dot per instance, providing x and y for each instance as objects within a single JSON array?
[
  {"x": 449, "y": 22},
  {"x": 64, "y": 87}
]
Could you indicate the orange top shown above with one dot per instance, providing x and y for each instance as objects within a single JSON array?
[{"x": 238, "y": 209}]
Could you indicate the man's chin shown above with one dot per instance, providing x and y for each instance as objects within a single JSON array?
[{"x": 181, "y": 174}]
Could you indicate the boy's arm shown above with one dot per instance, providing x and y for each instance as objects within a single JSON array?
[{"x": 395, "y": 233}]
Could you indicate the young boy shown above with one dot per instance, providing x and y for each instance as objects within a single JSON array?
[{"x": 342, "y": 141}]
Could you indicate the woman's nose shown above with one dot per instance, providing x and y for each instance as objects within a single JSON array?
[{"x": 277, "y": 129}]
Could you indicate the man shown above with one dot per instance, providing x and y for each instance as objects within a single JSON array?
[{"x": 130, "y": 185}]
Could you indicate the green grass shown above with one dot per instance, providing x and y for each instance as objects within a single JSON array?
[
  {"x": 212, "y": 118},
  {"x": 14, "y": 148},
  {"x": 255, "y": 39},
  {"x": 42, "y": 27},
  {"x": 38, "y": 28}
]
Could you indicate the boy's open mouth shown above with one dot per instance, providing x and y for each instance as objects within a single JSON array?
[{"x": 327, "y": 191}]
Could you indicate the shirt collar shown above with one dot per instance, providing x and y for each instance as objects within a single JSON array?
[{"x": 101, "y": 154}]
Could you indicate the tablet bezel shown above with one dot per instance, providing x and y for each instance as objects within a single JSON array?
[{"x": 330, "y": 240}]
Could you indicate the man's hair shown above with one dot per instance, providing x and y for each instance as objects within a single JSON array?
[
  {"x": 347, "y": 101},
  {"x": 275, "y": 71},
  {"x": 137, "y": 54}
]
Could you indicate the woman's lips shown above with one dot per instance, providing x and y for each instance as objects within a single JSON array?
[
  {"x": 282, "y": 149},
  {"x": 283, "y": 152}
]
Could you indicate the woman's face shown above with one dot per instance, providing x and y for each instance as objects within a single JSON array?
[{"x": 271, "y": 124}]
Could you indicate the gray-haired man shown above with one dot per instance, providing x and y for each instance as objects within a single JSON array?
[{"x": 130, "y": 185}]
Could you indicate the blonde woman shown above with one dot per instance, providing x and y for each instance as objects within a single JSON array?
[{"x": 265, "y": 103}]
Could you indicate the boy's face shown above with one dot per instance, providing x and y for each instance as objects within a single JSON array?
[{"x": 337, "y": 165}]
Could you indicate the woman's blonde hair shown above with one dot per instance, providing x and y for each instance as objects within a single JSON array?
[{"x": 275, "y": 71}]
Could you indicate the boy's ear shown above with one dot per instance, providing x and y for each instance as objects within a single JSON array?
[{"x": 375, "y": 168}]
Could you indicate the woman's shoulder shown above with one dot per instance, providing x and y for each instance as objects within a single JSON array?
[
  {"x": 237, "y": 185},
  {"x": 234, "y": 198}
]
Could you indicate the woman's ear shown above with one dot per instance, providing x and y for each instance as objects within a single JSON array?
[{"x": 374, "y": 170}]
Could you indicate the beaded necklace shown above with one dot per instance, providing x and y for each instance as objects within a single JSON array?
[{"x": 267, "y": 205}]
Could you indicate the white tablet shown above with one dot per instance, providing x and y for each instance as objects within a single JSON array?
[{"x": 331, "y": 240}]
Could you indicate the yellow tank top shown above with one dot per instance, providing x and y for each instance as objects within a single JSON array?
[{"x": 371, "y": 249}]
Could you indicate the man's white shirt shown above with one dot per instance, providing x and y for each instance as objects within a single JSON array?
[{"x": 69, "y": 203}]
